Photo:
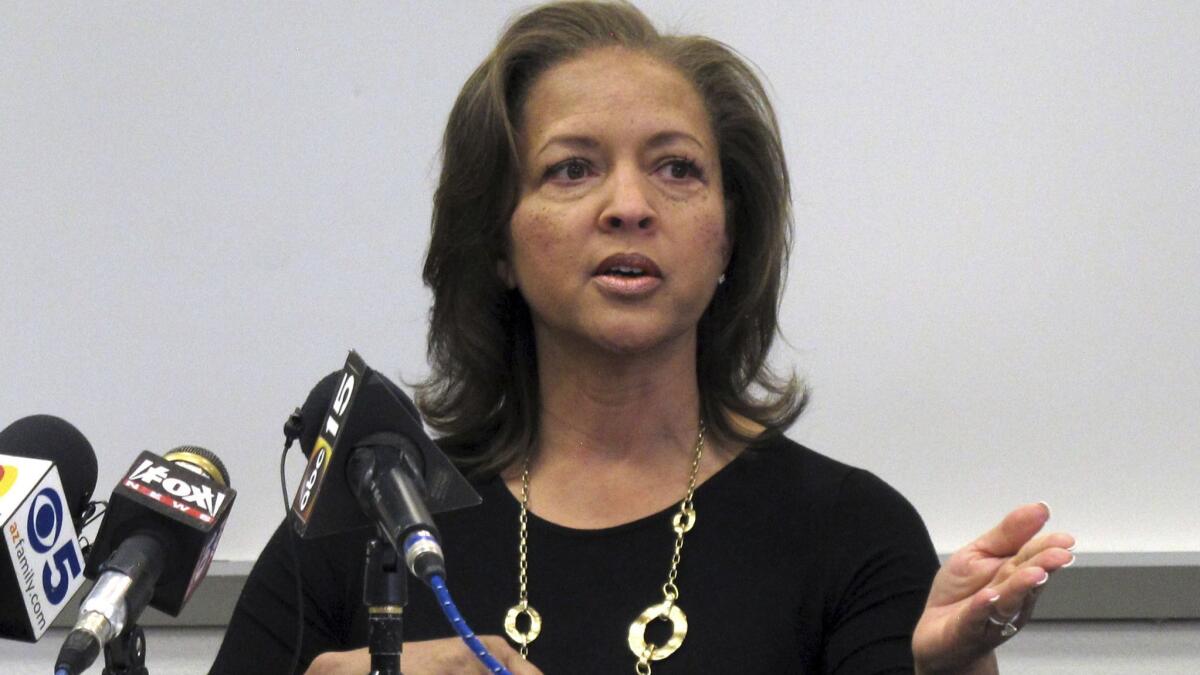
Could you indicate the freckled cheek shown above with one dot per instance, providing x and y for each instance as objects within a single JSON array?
[
  {"x": 542, "y": 243},
  {"x": 714, "y": 238}
]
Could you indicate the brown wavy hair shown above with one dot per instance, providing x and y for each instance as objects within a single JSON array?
[{"x": 482, "y": 394}]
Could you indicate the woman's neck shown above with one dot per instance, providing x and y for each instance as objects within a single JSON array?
[
  {"x": 617, "y": 435},
  {"x": 617, "y": 407}
]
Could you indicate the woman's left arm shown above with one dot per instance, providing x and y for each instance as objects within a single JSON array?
[
  {"x": 985, "y": 593},
  {"x": 880, "y": 566}
]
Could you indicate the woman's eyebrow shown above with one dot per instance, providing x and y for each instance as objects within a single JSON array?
[
  {"x": 668, "y": 137},
  {"x": 658, "y": 140},
  {"x": 571, "y": 141}
]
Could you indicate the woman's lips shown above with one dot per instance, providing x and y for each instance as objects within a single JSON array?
[
  {"x": 627, "y": 286},
  {"x": 627, "y": 274}
]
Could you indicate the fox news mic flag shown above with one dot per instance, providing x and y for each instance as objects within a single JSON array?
[
  {"x": 185, "y": 508},
  {"x": 164, "y": 520}
]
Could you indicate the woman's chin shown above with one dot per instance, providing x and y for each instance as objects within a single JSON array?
[
  {"x": 618, "y": 337},
  {"x": 641, "y": 341}
]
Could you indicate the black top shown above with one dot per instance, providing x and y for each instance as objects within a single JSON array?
[{"x": 797, "y": 564}]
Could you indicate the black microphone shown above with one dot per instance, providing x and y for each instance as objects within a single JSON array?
[
  {"x": 370, "y": 463},
  {"x": 47, "y": 472},
  {"x": 158, "y": 537}
]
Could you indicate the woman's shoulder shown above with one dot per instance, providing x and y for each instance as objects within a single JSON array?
[
  {"x": 841, "y": 505},
  {"x": 795, "y": 476},
  {"x": 780, "y": 459}
]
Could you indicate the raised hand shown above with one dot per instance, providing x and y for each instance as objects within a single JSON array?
[{"x": 986, "y": 591}]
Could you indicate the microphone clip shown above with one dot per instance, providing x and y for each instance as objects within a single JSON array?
[
  {"x": 292, "y": 428},
  {"x": 126, "y": 654}
]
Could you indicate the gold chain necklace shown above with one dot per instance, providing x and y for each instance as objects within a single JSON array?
[{"x": 668, "y": 609}]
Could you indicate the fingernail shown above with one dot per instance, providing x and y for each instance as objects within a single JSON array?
[
  {"x": 1048, "y": 511},
  {"x": 1069, "y": 562},
  {"x": 1071, "y": 548},
  {"x": 994, "y": 597},
  {"x": 1044, "y": 579}
]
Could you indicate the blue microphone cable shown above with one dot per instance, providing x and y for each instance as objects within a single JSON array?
[
  {"x": 460, "y": 625},
  {"x": 423, "y": 555}
]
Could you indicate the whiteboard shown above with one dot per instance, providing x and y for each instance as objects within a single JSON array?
[{"x": 993, "y": 294}]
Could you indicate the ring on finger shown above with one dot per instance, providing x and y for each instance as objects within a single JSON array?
[{"x": 1008, "y": 627}]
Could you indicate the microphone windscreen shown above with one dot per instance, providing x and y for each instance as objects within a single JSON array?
[
  {"x": 201, "y": 461},
  {"x": 312, "y": 413},
  {"x": 54, "y": 439}
]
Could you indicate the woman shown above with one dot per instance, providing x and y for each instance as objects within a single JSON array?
[{"x": 609, "y": 243}]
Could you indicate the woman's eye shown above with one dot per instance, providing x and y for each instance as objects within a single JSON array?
[
  {"x": 570, "y": 170},
  {"x": 680, "y": 169}
]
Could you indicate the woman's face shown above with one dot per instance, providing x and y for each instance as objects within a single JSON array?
[{"x": 618, "y": 237}]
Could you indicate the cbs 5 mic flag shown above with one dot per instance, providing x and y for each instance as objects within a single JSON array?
[
  {"x": 39, "y": 510},
  {"x": 344, "y": 410}
]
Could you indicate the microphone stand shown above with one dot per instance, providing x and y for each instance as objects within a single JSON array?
[
  {"x": 385, "y": 593},
  {"x": 126, "y": 653}
]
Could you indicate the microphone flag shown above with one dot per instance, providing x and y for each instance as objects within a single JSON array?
[
  {"x": 365, "y": 403},
  {"x": 44, "y": 565},
  {"x": 186, "y": 508}
]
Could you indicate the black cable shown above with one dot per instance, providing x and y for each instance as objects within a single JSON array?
[
  {"x": 94, "y": 511},
  {"x": 90, "y": 515},
  {"x": 291, "y": 535}
]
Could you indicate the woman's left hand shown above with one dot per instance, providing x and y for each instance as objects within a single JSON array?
[{"x": 986, "y": 591}]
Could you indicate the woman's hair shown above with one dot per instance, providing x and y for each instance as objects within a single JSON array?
[{"x": 482, "y": 394}]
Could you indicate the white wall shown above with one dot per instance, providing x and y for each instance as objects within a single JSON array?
[{"x": 994, "y": 291}]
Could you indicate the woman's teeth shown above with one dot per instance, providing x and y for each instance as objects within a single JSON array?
[{"x": 626, "y": 271}]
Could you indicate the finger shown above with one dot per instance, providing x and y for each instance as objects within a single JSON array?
[
  {"x": 1060, "y": 541},
  {"x": 964, "y": 574},
  {"x": 995, "y": 614},
  {"x": 340, "y": 663},
  {"x": 1010, "y": 598},
  {"x": 970, "y": 569},
  {"x": 1049, "y": 558},
  {"x": 511, "y": 658},
  {"x": 517, "y": 665},
  {"x": 1007, "y": 604},
  {"x": 1017, "y": 528},
  {"x": 522, "y": 667},
  {"x": 975, "y": 625}
]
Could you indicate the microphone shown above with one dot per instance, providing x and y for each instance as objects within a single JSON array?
[
  {"x": 370, "y": 462},
  {"x": 47, "y": 472},
  {"x": 154, "y": 547}
]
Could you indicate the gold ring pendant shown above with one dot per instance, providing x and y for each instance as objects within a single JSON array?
[
  {"x": 637, "y": 631},
  {"x": 510, "y": 623}
]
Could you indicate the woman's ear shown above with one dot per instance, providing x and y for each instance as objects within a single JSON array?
[
  {"x": 730, "y": 231},
  {"x": 505, "y": 273}
]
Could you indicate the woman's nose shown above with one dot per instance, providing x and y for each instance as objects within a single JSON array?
[{"x": 628, "y": 204}]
